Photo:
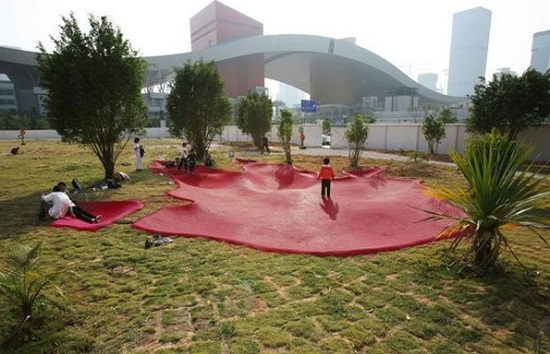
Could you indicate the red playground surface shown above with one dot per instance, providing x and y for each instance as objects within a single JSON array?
[
  {"x": 279, "y": 208},
  {"x": 110, "y": 212}
]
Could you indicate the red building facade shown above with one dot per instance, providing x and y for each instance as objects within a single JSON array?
[{"x": 218, "y": 23}]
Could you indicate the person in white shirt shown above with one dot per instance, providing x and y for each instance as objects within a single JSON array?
[
  {"x": 137, "y": 152},
  {"x": 57, "y": 204}
]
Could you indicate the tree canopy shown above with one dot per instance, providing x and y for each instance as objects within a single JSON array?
[
  {"x": 254, "y": 116},
  {"x": 94, "y": 83},
  {"x": 433, "y": 129},
  {"x": 197, "y": 106},
  {"x": 510, "y": 103}
]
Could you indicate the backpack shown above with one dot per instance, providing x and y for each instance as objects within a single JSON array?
[{"x": 141, "y": 151}]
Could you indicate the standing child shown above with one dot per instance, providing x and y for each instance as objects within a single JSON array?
[
  {"x": 183, "y": 157},
  {"x": 326, "y": 175}
]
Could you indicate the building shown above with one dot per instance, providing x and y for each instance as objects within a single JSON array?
[
  {"x": 328, "y": 70},
  {"x": 402, "y": 99},
  {"x": 540, "y": 51},
  {"x": 504, "y": 71},
  {"x": 469, "y": 46},
  {"x": 428, "y": 80},
  {"x": 7, "y": 94},
  {"x": 218, "y": 23}
]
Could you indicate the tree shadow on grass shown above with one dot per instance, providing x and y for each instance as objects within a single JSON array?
[
  {"x": 517, "y": 303},
  {"x": 513, "y": 306}
]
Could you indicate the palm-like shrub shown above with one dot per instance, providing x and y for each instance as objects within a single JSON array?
[
  {"x": 21, "y": 282},
  {"x": 501, "y": 193}
]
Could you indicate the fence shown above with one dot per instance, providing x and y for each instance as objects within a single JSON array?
[{"x": 392, "y": 137}]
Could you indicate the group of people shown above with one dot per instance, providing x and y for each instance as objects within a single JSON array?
[
  {"x": 59, "y": 204},
  {"x": 188, "y": 160}
]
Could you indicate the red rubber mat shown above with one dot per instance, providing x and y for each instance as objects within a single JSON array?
[
  {"x": 279, "y": 208},
  {"x": 110, "y": 212}
]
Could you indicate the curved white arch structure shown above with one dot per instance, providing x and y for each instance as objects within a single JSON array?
[
  {"x": 290, "y": 58},
  {"x": 331, "y": 70}
]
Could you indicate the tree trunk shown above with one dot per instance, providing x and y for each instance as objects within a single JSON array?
[
  {"x": 486, "y": 248},
  {"x": 108, "y": 166},
  {"x": 431, "y": 147},
  {"x": 286, "y": 146}
]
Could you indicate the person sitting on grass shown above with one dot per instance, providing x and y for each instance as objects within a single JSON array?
[
  {"x": 58, "y": 204},
  {"x": 208, "y": 160}
]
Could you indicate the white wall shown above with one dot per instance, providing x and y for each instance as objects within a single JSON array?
[{"x": 381, "y": 137}]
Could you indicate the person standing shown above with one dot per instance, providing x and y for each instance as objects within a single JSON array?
[
  {"x": 265, "y": 145},
  {"x": 137, "y": 152},
  {"x": 326, "y": 175},
  {"x": 183, "y": 157}
]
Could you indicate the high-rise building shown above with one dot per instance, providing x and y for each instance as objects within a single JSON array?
[
  {"x": 540, "y": 51},
  {"x": 428, "y": 80},
  {"x": 469, "y": 46},
  {"x": 218, "y": 23},
  {"x": 503, "y": 71}
]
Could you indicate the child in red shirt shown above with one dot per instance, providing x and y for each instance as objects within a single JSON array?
[{"x": 326, "y": 175}]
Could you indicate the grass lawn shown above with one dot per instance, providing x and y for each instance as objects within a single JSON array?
[{"x": 200, "y": 296}]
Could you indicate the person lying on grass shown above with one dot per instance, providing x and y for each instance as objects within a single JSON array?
[{"x": 58, "y": 204}]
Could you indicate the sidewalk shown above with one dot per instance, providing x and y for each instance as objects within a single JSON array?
[{"x": 318, "y": 151}]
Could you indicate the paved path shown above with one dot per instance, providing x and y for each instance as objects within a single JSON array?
[{"x": 366, "y": 154}]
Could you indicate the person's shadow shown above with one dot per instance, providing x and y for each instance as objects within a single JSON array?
[{"x": 330, "y": 208}]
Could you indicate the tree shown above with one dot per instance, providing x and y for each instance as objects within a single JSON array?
[
  {"x": 433, "y": 130},
  {"x": 94, "y": 86},
  {"x": 356, "y": 134},
  {"x": 197, "y": 106},
  {"x": 285, "y": 132},
  {"x": 326, "y": 126},
  {"x": 446, "y": 116},
  {"x": 501, "y": 193},
  {"x": 510, "y": 103},
  {"x": 254, "y": 116}
]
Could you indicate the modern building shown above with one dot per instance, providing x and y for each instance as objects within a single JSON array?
[
  {"x": 7, "y": 94},
  {"x": 504, "y": 71},
  {"x": 428, "y": 80},
  {"x": 540, "y": 51},
  {"x": 217, "y": 24},
  {"x": 469, "y": 47},
  {"x": 331, "y": 71}
]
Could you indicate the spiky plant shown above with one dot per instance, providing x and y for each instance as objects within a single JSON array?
[
  {"x": 501, "y": 192},
  {"x": 21, "y": 282}
]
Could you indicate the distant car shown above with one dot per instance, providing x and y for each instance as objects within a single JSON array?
[{"x": 325, "y": 139}]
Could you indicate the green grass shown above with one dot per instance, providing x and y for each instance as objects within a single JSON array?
[{"x": 200, "y": 296}]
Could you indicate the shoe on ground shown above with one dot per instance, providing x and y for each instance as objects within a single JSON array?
[
  {"x": 148, "y": 244},
  {"x": 158, "y": 240},
  {"x": 167, "y": 240}
]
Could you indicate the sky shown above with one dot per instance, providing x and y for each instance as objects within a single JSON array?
[{"x": 414, "y": 35}]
